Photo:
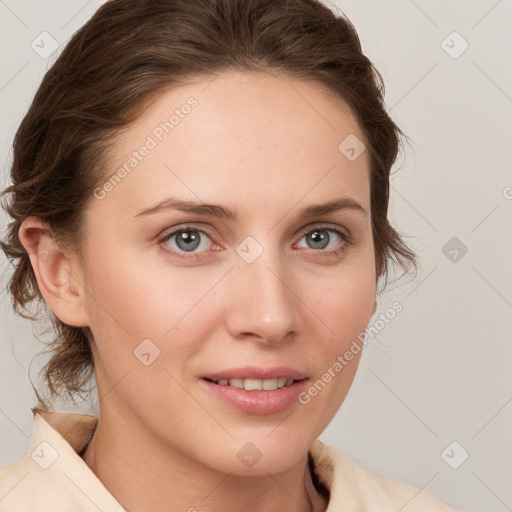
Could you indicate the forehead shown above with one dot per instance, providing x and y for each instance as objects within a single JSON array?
[{"x": 243, "y": 137}]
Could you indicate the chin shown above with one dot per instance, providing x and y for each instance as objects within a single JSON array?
[{"x": 258, "y": 455}]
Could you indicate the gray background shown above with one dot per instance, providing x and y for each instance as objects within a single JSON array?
[{"x": 439, "y": 372}]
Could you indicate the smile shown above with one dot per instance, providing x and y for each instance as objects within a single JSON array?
[{"x": 256, "y": 384}]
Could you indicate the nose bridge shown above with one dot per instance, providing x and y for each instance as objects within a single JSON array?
[{"x": 263, "y": 303}]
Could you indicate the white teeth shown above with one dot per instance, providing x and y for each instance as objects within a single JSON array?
[
  {"x": 281, "y": 382},
  {"x": 256, "y": 384},
  {"x": 250, "y": 384},
  {"x": 236, "y": 383},
  {"x": 269, "y": 384}
]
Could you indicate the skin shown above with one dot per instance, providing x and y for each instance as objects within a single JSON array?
[{"x": 265, "y": 147}]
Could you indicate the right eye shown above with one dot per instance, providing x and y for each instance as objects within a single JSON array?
[{"x": 187, "y": 240}]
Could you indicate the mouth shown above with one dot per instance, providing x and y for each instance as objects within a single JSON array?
[
  {"x": 256, "y": 384},
  {"x": 255, "y": 390}
]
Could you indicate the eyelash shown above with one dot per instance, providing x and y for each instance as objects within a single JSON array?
[{"x": 345, "y": 237}]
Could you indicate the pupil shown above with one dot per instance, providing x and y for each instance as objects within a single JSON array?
[
  {"x": 187, "y": 240},
  {"x": 320, "y": 239}
]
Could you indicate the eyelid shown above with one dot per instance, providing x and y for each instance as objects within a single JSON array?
[
  {"x": 344, "y": 232},
  {"x": 185, "y": 227}
]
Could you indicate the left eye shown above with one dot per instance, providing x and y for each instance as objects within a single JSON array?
[
  {"x": 188, "y": 240},
  {"x": 321, "y": 238}
]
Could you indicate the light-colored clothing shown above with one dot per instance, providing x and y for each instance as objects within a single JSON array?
[{"x": 52, "y": 477}]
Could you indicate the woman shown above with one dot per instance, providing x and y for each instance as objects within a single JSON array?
[{"x": 199, "y": 197}]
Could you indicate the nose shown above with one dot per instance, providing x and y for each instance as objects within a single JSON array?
[{"x": 262, "y": 305}]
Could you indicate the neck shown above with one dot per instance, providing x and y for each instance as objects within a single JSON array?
[{"x": 137, "y": 470}]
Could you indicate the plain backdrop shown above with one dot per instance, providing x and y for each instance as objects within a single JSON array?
[{"x": 431, "y": 403}]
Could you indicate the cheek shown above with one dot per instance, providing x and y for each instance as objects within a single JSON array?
[
  {"x": 347, "y": 316},
  {"x": 132, "y": 299},
  {"x": 350, "y": 307},
  {"x": 344, "y": 299},
  {"x": 344, "y": 305}
]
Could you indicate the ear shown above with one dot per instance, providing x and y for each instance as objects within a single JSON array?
[{"x": 55, "y": 273}]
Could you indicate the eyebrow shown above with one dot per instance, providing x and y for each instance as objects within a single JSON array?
[{"x": 221, "y": 212}]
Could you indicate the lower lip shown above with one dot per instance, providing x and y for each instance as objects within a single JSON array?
[{"x": 256, "y": 401}]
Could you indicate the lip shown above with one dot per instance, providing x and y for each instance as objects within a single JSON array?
[
  {"x": 254, "y": 372},
  {"x": 255, "y": 401}
]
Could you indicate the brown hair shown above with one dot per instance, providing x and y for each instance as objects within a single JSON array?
[{"x": 109, "y": 72}]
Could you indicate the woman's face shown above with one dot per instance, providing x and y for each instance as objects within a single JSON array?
[{"x": 264, "y": 292}]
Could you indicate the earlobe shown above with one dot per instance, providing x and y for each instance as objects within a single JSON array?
[{"x": 54, "y": 273}]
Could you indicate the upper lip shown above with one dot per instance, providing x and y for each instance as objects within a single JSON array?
[{"x": 254, "y": 372}]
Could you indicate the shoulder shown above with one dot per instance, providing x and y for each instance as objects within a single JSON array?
[
  {"x": 344, "y": 477},
  {"x": 12, "y": 474},
  {"x": 33, "y": 483},
  {"x": 51, "y": 476}
]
